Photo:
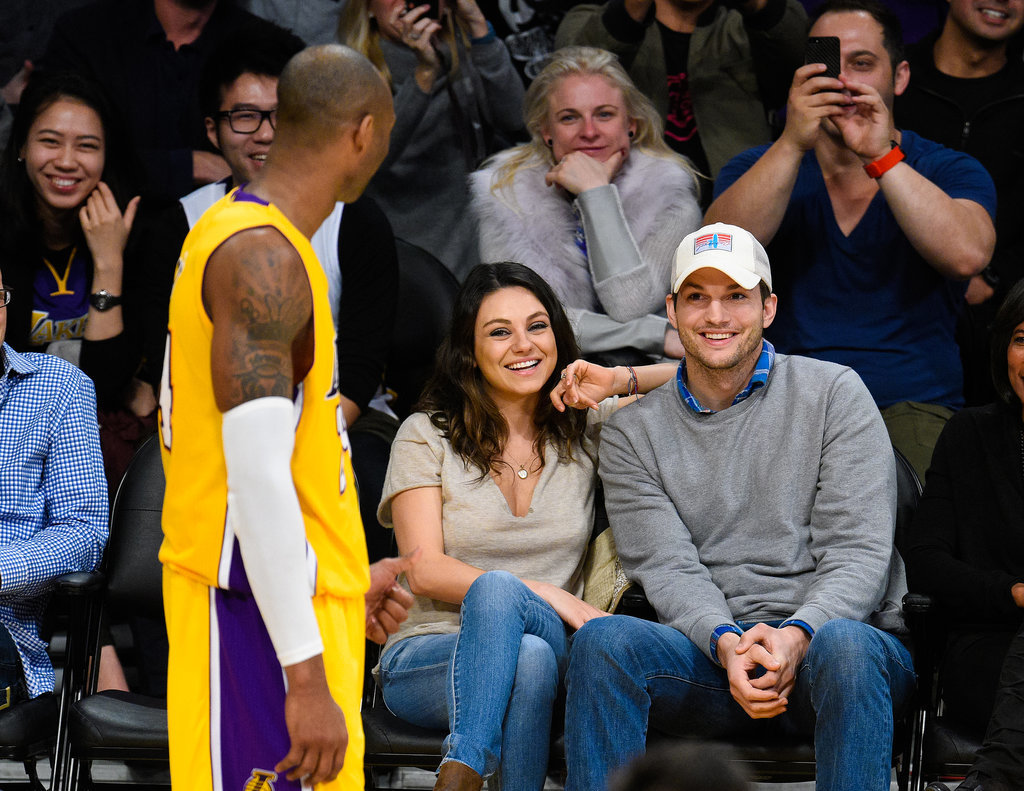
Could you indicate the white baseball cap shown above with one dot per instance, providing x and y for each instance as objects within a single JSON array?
[{"x": 727, "y": 248}]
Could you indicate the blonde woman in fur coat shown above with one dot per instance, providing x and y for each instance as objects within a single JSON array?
[{"x": 596, "y": 203}]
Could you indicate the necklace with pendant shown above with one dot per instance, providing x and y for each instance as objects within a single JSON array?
[{"x": 522, "y": 473}]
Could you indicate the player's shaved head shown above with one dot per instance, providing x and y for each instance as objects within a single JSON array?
[{"x": 324, "y": 88}]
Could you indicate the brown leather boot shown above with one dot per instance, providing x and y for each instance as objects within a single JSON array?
[{"x": 457, "y": 777}]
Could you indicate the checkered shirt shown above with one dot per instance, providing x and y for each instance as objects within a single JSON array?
[
  {"x": 53, "y": 494},
  {"x": 757, "y": 380}
]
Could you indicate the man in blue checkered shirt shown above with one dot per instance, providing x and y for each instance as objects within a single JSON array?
[{"x": 53, "y": 501}]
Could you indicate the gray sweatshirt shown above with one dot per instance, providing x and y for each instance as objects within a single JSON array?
[{"x": 782, "y": 506}]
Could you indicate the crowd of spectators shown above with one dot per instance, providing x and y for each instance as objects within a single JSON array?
[{"x": 588, "y": 143}]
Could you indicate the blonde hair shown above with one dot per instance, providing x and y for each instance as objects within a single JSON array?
[
  {"x": 581, "y": 61},
  {"x": 358, "y": 30}
]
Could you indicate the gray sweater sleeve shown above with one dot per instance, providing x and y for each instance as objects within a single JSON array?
[
  {"x": 631, "y": 280},
  {"x": 596, "y": 332},
  {"x": 655, "y": 547},
  {"x": 411, "y": 104},
  {"x": 854, "y": 514}
]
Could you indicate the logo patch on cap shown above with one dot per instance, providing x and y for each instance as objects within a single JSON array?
[{"x": 712, "y": 241}]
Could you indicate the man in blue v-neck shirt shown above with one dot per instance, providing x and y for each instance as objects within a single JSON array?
[{"x": 875, "y": 231}]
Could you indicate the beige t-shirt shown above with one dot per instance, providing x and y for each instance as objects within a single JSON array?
[{"x": 547, "y": 544}]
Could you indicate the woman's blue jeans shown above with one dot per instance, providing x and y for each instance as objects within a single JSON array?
[
  {"x": 626, "y": 674},
  {"x": 492, "y": 684}
]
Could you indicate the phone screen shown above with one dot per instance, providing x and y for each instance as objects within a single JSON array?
[{"x": 824, "y": 49}]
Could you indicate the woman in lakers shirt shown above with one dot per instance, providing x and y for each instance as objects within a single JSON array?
[
  {"x": 496, "y": 486},
  {"x": 64, "y": 222}
]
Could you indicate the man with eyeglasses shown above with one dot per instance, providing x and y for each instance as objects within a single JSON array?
[
  {"x": 53, "y": 501},
  {"x": 148, "y": 55},
  {"x": 355, "y": 246}
]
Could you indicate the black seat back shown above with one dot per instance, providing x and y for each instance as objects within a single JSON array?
[
  {"x": 908, "y": 494},
  {"x": 132, "y": 568},
  {"x": 426, "y": 295}
]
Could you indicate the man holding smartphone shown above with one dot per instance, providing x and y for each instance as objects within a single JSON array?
[{"x": 875, "y": 229}]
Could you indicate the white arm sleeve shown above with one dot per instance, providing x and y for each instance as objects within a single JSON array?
[{"x": 264, "y": 513}]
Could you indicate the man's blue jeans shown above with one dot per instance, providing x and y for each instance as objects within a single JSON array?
[
  {"x": 492, "y": 685},
  {"x": 626, "y": 674}
]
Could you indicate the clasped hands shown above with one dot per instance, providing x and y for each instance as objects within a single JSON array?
[{"x": 762, "y": 666}]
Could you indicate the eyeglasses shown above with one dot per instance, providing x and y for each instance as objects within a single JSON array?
[
  {"x": 5, "y": 297},
  {"x": 246, "y": 122}
]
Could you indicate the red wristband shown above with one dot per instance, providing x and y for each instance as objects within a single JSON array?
[{"x": 879, "y": 167}]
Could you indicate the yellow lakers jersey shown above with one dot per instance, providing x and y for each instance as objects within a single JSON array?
[{"x": 198, "y": 540}]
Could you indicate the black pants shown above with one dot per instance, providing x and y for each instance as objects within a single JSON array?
[
  {"x": 12, "y": 677},
  {"x": 970, "y": 676},
  {"x": 1001, "y": 758}
]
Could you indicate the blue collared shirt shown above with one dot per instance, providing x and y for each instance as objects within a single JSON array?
[
  {"x": 53, "y": 494},
  {"x": 758, "y": 379}
]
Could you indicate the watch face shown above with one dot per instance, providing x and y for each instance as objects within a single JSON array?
[{"x": 103, "y": 300}]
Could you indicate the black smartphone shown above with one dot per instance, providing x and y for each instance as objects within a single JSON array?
[
  {"x": 824, "y": 49},
  {"x": 434, "y": 12}
]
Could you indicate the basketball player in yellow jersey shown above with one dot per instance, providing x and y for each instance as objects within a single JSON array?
[{"x": 264, "y": 562}]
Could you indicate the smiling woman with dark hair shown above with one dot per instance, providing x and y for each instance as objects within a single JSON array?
[
  {"x": 496, "y": 485},
  {"x": 966, "y": 548},
  {"x": 65, "y": 216}
]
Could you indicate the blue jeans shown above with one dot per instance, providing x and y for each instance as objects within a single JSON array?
[
  {"x": 626, "y": 674},
  {"x": 492, "y": 684}
]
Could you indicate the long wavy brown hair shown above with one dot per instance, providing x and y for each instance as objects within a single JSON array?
[{"x": 456, "y": 396}]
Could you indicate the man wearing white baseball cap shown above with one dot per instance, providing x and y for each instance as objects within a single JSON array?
[{"x": 753, "y": 498}]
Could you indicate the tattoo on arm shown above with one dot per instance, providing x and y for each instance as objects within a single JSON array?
[{"x": 266, "y": 306}]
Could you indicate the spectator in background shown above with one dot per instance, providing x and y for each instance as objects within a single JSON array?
[
  {"x": 966, "y": 548},
  {"x": 147, "y": 55},
  {"x": 714, "y": 70},
  {"x": 967, "y": 94},
  {"x": 54, "y": 501},
  {"x": 65, "y": 216},
  {"x": 596, "y": 203},
  {"x": 875, "y": 229},
  {"x": 313, "y": 21},
  {"x": 25, "y": 28},
  {"x": 917, "y": 17},
  {"x": 355, "y": 246},
  {"x": 456, "y": 93}
]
